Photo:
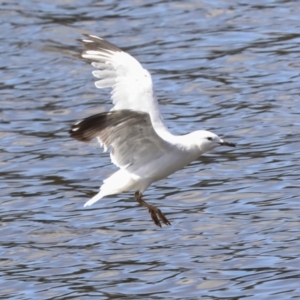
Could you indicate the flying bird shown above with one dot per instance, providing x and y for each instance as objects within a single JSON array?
[{"x": 134, "y": 130}]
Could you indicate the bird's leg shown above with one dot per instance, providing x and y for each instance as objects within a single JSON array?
[{"x": 155, "y": 212}]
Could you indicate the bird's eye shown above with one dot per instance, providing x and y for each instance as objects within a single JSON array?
[{"x": 210, "y": 138}]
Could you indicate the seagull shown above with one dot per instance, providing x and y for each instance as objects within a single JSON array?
[{"x": 134, "y": 131}]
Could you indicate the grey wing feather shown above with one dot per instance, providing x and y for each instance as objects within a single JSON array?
[{"x": 128, "y": 134}]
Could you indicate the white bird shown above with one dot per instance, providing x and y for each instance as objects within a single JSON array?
[{"x": 133, "y": 130}]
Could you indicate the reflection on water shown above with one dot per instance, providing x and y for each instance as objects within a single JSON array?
[{"x": 231, "y": 67}]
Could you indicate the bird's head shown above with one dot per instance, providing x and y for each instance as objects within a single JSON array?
[{"x": 208, "y": 141}]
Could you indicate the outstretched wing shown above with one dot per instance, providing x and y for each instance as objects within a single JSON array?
[
  {"x": 128, "y": 134},
  {"x": 131, "y": 84}
]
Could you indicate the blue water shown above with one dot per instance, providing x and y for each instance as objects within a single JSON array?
[{"x": 231, "y": 67}]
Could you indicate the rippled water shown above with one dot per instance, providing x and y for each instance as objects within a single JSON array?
[{"x": 231, "y": 67}]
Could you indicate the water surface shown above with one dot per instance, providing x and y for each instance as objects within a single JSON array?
[{"x": 231, "y": 67}]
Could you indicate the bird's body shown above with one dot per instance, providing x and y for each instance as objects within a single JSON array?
[{"x": 139, "y": 141}]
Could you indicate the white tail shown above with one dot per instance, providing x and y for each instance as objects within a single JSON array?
[{"x": 118, "y": 182}]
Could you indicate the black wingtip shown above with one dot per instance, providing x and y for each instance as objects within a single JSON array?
[
  {"x": 96, "y": 125},
  {"x": 77, "y": 133},
  {"x": 97, "y": 43},
  {"x": 90, "y": 127}
]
